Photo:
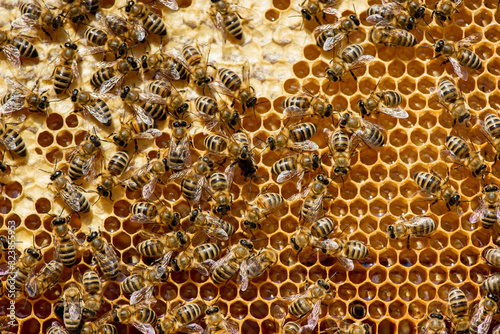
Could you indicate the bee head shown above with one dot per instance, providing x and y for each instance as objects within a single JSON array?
[
  {"x": 74, "y": 95},
  {"x": 212, "y": 310},
  {"x": 129, "y": 6},
  {"x": 181, "y": 237},
  {"x": 124, "y": 92},
  {"x": 329, "y": 110},
  {"x": 330, "y": 75},
  {"x": 493, "y": 297},
  {"x": 251, "y": 103},
  {"x": 411, "y": 24},
  {"x": 437, "y": 316},
  {"x": 270, "y": 142},
  {"x": 340, "y": 171},
  {"x": 323, "y": 179},
  {"x": 177, "y": 219},
  {"x": 95, "y": 140},
  {"x": 438, "y": 47},
  {"x": 247, "y": 244},
  {"x": 390, "y": 230},
  {"x": 354, "y": 19},
  {"x": 464, "y": 118},
  {"x": 316, "y": 161},
  {"x": 305, "y": 14},
  {"x": 323, "y": 284},
  {"x": 294, "y": 243},
  {"x": 34, "y": 253},
  {"x": 55, "y": 175},
  {"x": 102, "y": 192},
  {"x": 344, "y": 119},
  {"x": 118, "y": 141},
  {"x": 193, "y": 215},
  {"x": 92, "y": 236},
  {"x": 454, "y": 200},
  {"x": 58, "y": 221},
  {"x": 361, "y": 106},
  {"x": 175, "y": 266},
  {"x": 490, "y": 188}
]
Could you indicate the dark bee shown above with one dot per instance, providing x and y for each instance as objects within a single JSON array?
[
  {"x": 328, "y": 35},
  {"x": 439, "y": 188},
  {"x": 297, "y": 106},
  {"x": 291, "y": 166},
  {"x": 34, "y": 14},
  {"x": 227, "y": 19},
  {"x": 105, "y": 42},
  {"x": 386, "y": 15},
  {"x": 93, "y": 104},
  {"x": 192, "y": 183},
  {"x": 488, "y": 209},
  {"x": 15, "y": 47},
  {"x": 139, "y": 11},
  {"x": 116, "y": 166},
  {"x": 345, "y": 61},
  {"x": 67, "y": 68},
  {"x": 464, "y": 154},
  {"x": 180, "y": 317},
  {"x": 311, "y": 8},
  {"x": 147, "y": 106},
  {"x": 64, "y": 240},
  {"x": 46, "y": 278},
  {"x": 453, "y": 100},
  {"x": 108, "y": 76},
  {"x": 119, "y": 26},
  {"x": 445, "y": 9}
]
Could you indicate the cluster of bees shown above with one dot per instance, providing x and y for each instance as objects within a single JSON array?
[{"x": 223, "y": 99}]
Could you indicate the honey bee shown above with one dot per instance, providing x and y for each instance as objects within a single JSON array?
[
  {"x": 116, "y": 166},
  {"x": 357, "y": 310},
  {"x": 490, "y": 127},
  {"x": 341, "y": 149},
  {"x": 167, "y": 66},
  {"x": 391, "y": 36},
  {"x": 458, "y": 54},
  {"x": 23, "y": 270},
  {"x": 344, "y": 251},
  {"x": 21, "y": 97},
  {"x": 99, "y": 326},
  {"x": 458, "y": 310},
  {"x": 74, "y": 10},
  {"x": 93, "y": 104},
  {"x": 150, "y": 213},
  {"x": 197, "y": 65},
  {"x": 147, "y": 106},
  {"x": 11, "y": 139},
  {"x": 212, "y": 226},
  {"x": 140, "y": 12},
  {"x": 135, "y": 33},
  {"x": 238, "y": 88},
  {"x": 46, "y": 278},
  {"x": 64, "y": 241},
  {"x": 179, "y": 154},
  {"x": 368, "y": 132},
  {"x": 33, "y": 14},
  {"x": 492, "y": 255},
  {"x": 221, "y": 197},
  {"x": 141, "y": 282},
  {"x": 91, "y": 294},
  {"x": 105, "y": 255},
  {"x": 414, "y": 7},
  {"x": 433, "y": 185},
  {"x": 445, "y": 9},
  {"x": 311, "y": 8},
  {"x": 417, "y": 226},
  {"x": 56, "y": 328},
  {"x": 463, "y": 154},
  {"x": 135, "y": 129},
  {"x": 15, "y": 47},
  {"x": 217, "y": 323},
  {"x": 386, "y": 101},
  {"x": 263, "y": 205},
  {"x": 488, "y": 210},
  {"x": 481, "y": 320},
  {"x": 295, "y": 137},
  {"x": 310, "y": 300},
  {"x": 346, "y": 60},
  {"x": 162, "y": 245},
  {"x": 225, "y": 268},
  {"x": 82, "y": 160},
  {"x": 313, "y": 198},
  {"x": 390, "y": 15},
  {"x": 329, "y": 35},
  {"x": 66, "y": 68},
  {"x": 291, "y": 166},
  {"x": 141, "y": 316},
  {"x": 180, "y": 319},
  {"x": 491, "y": 284},
  {"x": 297, "y": 106},
  {"x": 72, "y": 301},
  {"x": 227, "y": 19},
  {"x": 105, "y": 42},
  {"x": 354, "y": 328},
  {"x": 196, "y": 258},
  {"x": 454, "y": 102},
  {"x": 309, "y": 236},
  {"x": 217, "y": 113},
  {"x": 194, "y": 179},
  {"x": 111, "y": 73},
  {"x": 71, "y": 195},
  {"x": 256, "y": 265},
  {"x": 147, "y": 177}
]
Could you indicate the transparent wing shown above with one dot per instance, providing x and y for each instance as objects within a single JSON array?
[
  {"x": 91, "y": 51},
  {"x": 71, "y": 201},
  {"x": 75, "y": 312},
  {"x": 13, "y": 55},
  {"x": 192, "y": 328},
  {"x": 222, "y": 260},
  {"x": 299, "y": 195},
  {"x": 459, "y": 69},
  {"x": 171, "y": 4},
  {"x": 140, "y": 218},
  {"x": 331, "y": 42},
  {"x": 374, "y": 19},
  {"x": 74, "y": 68},
  {"x": 332, "y": 11},
  {"x": 142, "y": 294},
  {"x": 31, "y": 286},
  {"x": 142, "y": 114},
  {"x": 229, "y": 172},
  {"x": 139, "y": 32},
  {"x": 468, "y": 41},
  {"x": 144, "y": 328},
  {"x": 312, "y": 319},
  {"x": 348, "y": 264},
  {"x": 312, "y": 214},
  {"x": 153, "y": 98},
  {"x": 307, "y": 145},
  {"x": 243, "y": 276},
  {"x": 287, "y": 175},
  {"x": 479, "y": 213},
  {"x": 109, "y": 84},
  {"x": 15, "y": 103},
  {"x": 278, "y": 312},
  {"x": 201, "y": 269},
  {"x": 231, "y": 327},
  {"x": 397, "y": 112},
  {"x": 449, "y": 157},
  {"x": 60, "y": 328},
  {"x": 362, "y": 60},
  {"x": 148, "y": 134},
  {"x": 89, "y": 169},
  {"x": 149, "y": 188},
  {"x": 295, "y": 111},
  {"x": 219, "y": 21},
  {"x": 25, "y": 20},
  {"x": 477, "y": 316},
  {"x": 216, "y": 232},
  {"x": 98, "y": 115}
]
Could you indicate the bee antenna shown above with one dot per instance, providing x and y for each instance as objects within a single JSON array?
[
  {"x": 433, "y": 39},
  {"x": 44, "y": 172}
]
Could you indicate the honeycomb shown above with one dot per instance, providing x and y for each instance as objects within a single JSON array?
[{"x": 398, "y": 286}]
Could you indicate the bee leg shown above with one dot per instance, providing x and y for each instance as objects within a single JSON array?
[
  {"x": 316, "y": 18},
  {"x": 46, "y": 33},
  {"x": 408, "y": 242}
]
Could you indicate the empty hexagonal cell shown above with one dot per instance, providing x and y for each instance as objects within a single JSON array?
[
  {"x": 272, "y": 15},
  {"x": 398, "y": 207},
  {"x": 458, "y": 274},
  {"x": 480, "y": 238},
  {"x": 367, "y": 291},
  {"x": 349, "y": 191},
  {"x": 268, "y": 291},
  {"x": 387, "y": 258},
  {"x": 407, "y": 258},
  {"x": 479, "y": 273},
  {"x": 358, "y": 208},
  {"x": 438, "y": 241},
  {"x": 278, "y": 274},
  {"x": 346, "y": 291},
  {"x": 417, "y": 275},
  {"x": 378, "y": 173},
  {"x": 398, "y": 138},
  {"x": 416, "y": 309},
  {"x": 426, "y": 292},
  {"x": 448, "y": 257},
  {"x": 428, "y": 258},
  {"x": 369, "y": 191},
  {"x": 397, "y": 275},
  {"x": 469, "y": 256}
]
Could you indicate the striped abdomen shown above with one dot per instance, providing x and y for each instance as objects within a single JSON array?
[
  {"x": 390, "y": 98},
  {"x": 427, "y": 181},
  {"x": 151, "y": 248},
  {"x": 458, "y": 146},
  {"x": 352, "y": 52},
  {"x": 63, "y": 75},
  {"x": 145, "y": 208},
  {"x": 132, "y": 284},
  {"x": 96, "y": 36},
  {"x": 14, "y": 142},
  {"x": 230, "y": 79},
  {"x": 156, "y": 110},
  {"x": 192, "y": 55},
  {"x": 425, "y": 225},
  {"x": 298, "y": 101},
  {"x": 155, "y": 24},
  {"x": 355, "y": 250},
  {"x": 206, "y": 105},
  {"x": 225, "y": 271},
  {"x": 232, "y": 23},
  {"x": 403, "y": 38},
  {"x": 469, "y": 59},
  {"x": 205, "y": 252},
  {"x": 302, "y": 132},
  {"x": 67, "y": 252},
  {"x": 299, "y": 307},
  {"x": 448, "y": 91},
  {"x": 490, "y": 216},
  {"x": 285, "y": 164},
  {"x": 102, "y": 75},
  {"x": 188, "y": 313},
  {"x": 189, "y": 187},
  {"x": 322, "y": 227},
  {"x": 26, "y": 49}
]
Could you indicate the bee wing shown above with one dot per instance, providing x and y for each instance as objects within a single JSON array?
[
  {"x": 312, "y": 319},
  {"x": 15, "y": 103},
  {"x": 89, "y": 169},
  {"x": 298, "y": 195},
  {"x": 219, "y": 21},
  {"x": 496, "y": 329},
  {"x": 140, "y": 218},
  {"x": 201, "y": 269},
  {"x": 332, "y": 11},
  {"x": 229, "y": 173},
  {"x": 149, "y": 188},
  {"x": 13, "y": 55},
  {"x": 148, "y": 134},
  {"x": 192, "y": 328},
  {"x": 362, "y": 60},
  {"x": 479, "y": 213},
  {"x": 312, "y": 213},
  {"x": 153, "y": 98},
  {"x": 217, "y": 231},
  {"x": 9, "y": 143},
  {"x": 295, "y": 111},
  {"x": 449, "y": 157},
  {"x": 348, "y": 264},
  {"x": 468, "y": 41},
  {"x": 25, "y": 21},
  {"x": 459, "y": 69},
  {"x": 278, "y": 312},
  {"x": 222, "y": 260},
  {"x": 328, "y": 244},
  {"x": 142, "y": 294},
  {"x": 319, "y": 29},
  {"x": 98, "y": 115},
  {"x": 331, "y": 42},
  {"x": 307, "y": 145},
  {"x": 142, "y": 114},
  {"x": 84, "y": 52},
  {"x": 144, "y": 328},
  {"x": 139, "y": 32},
  {"x": 31, "y": 286},
  {"x": 231, "y": 327},
  {"x": 287, "y": 175},
  {"x": 374, "y": 19},
  {"x": 75, "y": 311},
  {"x": 180, "y": 174},
  {"x": 243, "y": 276},
  {"x": 211, "y": 126},
  {"x": 222, "y": 89},
  {"x": 171, "y": 4},
  {"x": 60, "y": 328},
  {"x": 74, "y": 68},
  {"x": 72, "y": 202},
  {"x": 108, "y": 84},
  {"x": 485, "y": 324},
  {"x": 397, "y": 112}
]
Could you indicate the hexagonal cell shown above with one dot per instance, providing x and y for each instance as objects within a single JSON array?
[
  {"x": 387, "y": 258},
  {"x": 479, "y": 273},
  {"x": 416, "y": 310},
  {"x": 377, "y": 309},
  {"x": 458, "y": 274},
  {"x": 387, "y": 292},
  {"x": 417, "y": 275},
  {"x": 469, "y": 256},
  {"x": 397, "y": 275},
  {"x": 397, "y": 310}
]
